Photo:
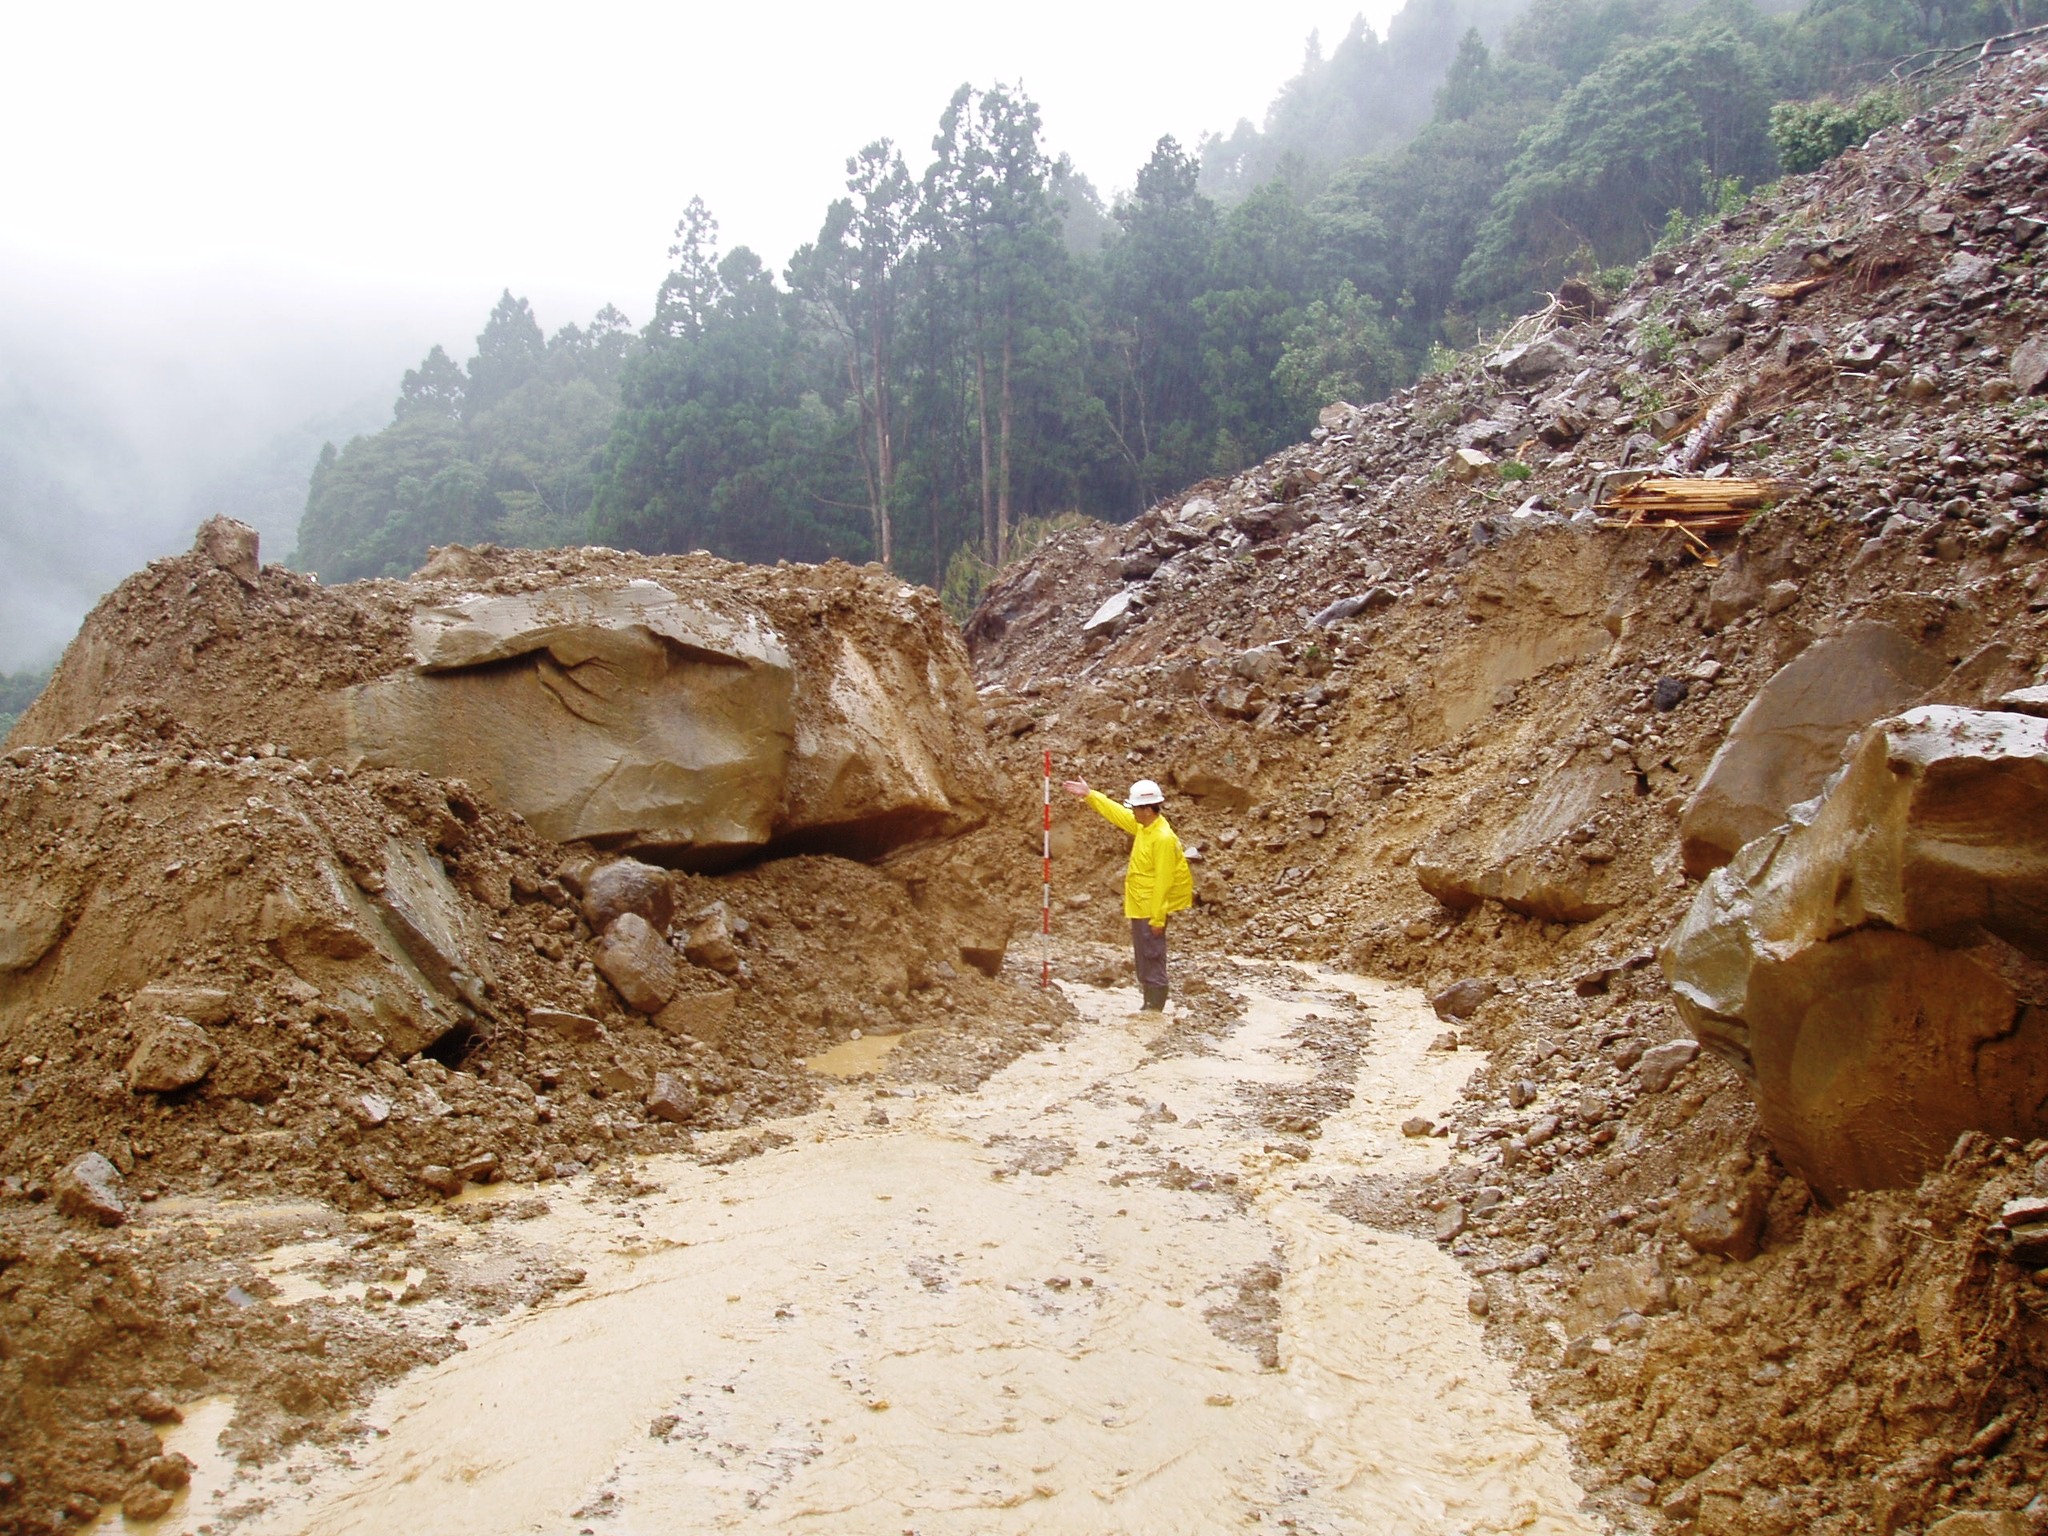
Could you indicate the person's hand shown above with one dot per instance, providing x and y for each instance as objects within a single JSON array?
[
  {"x": 1077, "y": 788},
  {"x": 1159, "y": 927}
]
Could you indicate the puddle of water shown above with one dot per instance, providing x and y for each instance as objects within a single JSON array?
[
  {"x": 288, "y": 1268},
  {"x": 234, "y": 1211},
  {"x": 198, "y": 1438},
  {"x": 989, "y": 1317},
  {"x": 854, "y": 1058}
]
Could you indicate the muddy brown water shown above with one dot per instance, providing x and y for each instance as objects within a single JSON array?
[{"x": 990, "y": 1314}]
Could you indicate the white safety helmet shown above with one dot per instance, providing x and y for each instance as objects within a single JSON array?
[{"x": 1144, "y": 792}]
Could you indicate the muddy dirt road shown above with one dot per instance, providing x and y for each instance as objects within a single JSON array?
[{"x": 1102, "y": 1293}]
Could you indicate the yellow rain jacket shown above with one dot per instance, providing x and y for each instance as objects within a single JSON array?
[{"x": 1158, "y": 880}]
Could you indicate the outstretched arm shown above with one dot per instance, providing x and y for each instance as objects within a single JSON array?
[{"x": 1107, "y": 809}]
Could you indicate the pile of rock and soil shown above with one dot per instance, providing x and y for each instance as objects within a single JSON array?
[
  {"x": 261, "y": 941},
  {"x": 1424, "y": 711},
  {"x": 320, "y": 907}
]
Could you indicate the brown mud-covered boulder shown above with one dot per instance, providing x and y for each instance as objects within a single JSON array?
[
  {"x": 627, "y": 885},
  {"x": 1784, "y": 745},
  {"x": 31, "y": 923},
  {"x": 160, "y": 858},
  {"x": 1535, "y": 863},
  {"x": 600, "y": 712},
  {"x": 1881, "y": 972},
  {"x": 638, "y": 962},
  {"x": 232, "y": 547},
  {"x": 685, "y": 708},
  {"x": 709, "y": 941}
]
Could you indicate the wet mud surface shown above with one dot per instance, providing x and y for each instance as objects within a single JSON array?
[{"x": 1105, "y": 1289}]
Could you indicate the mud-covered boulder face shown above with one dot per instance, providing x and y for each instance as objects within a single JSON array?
[
  {"x": 683, "y": 708},
  {"x": 161, "y": 869},
  {"x": 1880, "y": 970},
  {"x": 1547, "y": 860},
  {"x": 805, "y": 708},
  {"x": 611, "y": 713},
  {"x": 1784, "y": 745}
]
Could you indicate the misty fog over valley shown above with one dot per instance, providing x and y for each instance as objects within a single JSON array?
[{"x": 126, "y": 419}]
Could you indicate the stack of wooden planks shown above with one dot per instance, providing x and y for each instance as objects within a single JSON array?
[{"x": 1697, "y": 508}]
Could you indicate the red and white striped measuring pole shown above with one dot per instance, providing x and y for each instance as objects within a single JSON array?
[{"x": 1045, "y": 910}]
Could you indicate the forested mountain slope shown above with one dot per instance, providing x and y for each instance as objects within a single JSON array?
[
  {"x": 949, "y": 358},
  {"x": 501, "y": 449}
]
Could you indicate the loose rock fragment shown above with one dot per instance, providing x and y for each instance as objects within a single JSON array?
[
  {"x": 1662, "y": 1063},
  {"x": 152, "y": 1407},
  {"x": 174, "y": 1055},
  {"x": 1730, "y": 1227},
  {"x": 639, "y": 963},
  {"x": 204, "y": 1006},
  {"x": 90, "y": 1189},
  {"x": 146, "y": 1501},
  {"x": 231, "y": 546},
  {"x": 1461, "y": 999},
  {"x": 441, "y": 1179},
  {"x": 627, "y": 885},
  {"x": 570, "y": 1026},
  {"x": 674, "y": 1098},
  {"x": 701, "y": 1015},
  {"x": 710, "y": 942}
]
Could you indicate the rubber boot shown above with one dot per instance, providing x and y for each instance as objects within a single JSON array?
[{"x": 1155, "y": 1000}]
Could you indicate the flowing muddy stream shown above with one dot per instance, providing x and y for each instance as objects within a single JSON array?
[{"x": 1101, "y": 1293}]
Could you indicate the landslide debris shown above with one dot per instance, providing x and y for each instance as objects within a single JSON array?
[
  {"x": 682, "y": 707},
  {"x": 1422, "y": 713},
  {"x": 253, "y": 981}
]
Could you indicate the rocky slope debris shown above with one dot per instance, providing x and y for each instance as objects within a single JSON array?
[
  {"x": 1422, "y": 713},
  {"x": 685, "y": 708}
]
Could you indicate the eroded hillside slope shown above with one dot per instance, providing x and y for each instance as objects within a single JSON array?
[{"x": 1423, "y": 713}]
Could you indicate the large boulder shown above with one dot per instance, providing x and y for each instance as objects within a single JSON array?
[
  {"x": 681, "y": 707},
  {"x": 598, "y": 711},
  {"x": 1879, "y": 969},
  {"x": 1784, "y": 745}
]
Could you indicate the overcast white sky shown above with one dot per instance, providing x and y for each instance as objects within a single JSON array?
[{"x": 465, "y": 147}]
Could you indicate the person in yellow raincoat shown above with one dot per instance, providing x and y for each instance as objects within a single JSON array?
[{"x": 1157, "y": 882}]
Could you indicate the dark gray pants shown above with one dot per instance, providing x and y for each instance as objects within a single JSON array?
[{"x": 1150, "y": 950}]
